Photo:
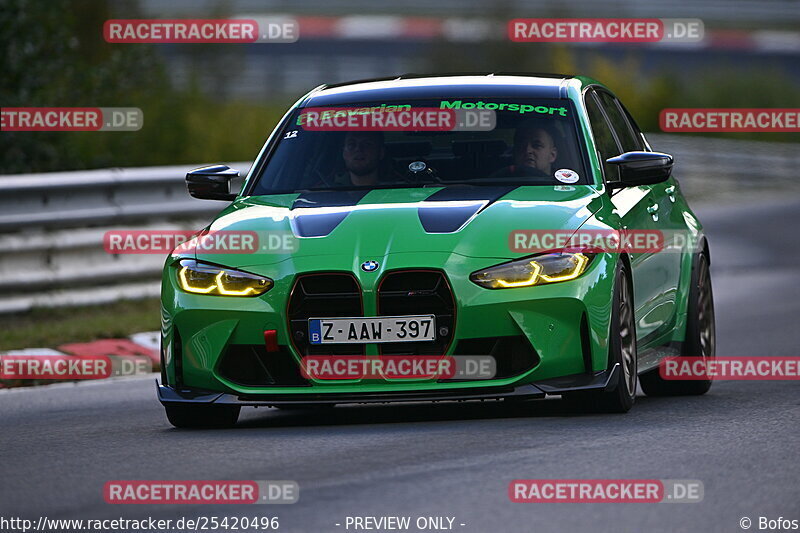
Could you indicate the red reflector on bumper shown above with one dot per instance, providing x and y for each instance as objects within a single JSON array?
[{"x": 271, "y": 340}]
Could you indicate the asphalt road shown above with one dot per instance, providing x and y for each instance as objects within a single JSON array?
[{"x": 60, "y": 444}]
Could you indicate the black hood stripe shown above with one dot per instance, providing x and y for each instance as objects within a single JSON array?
[
  {"x": 447, "y": 219},
  {"x": 321, "y": 224},
  {"x": 434, "y": 218},
  {"x": 317, "y": 224}
]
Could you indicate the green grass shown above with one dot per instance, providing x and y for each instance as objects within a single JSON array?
[{"x": 49, "y": 328}]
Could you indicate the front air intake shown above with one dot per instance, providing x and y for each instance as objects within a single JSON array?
[
  {"x": 418, "y": 292},
  {"x": 328, "y": 295}
]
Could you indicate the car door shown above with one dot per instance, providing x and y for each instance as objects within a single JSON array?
[
  {"x": 665, "y": 265},
  {"x": 634, "y": 205}
]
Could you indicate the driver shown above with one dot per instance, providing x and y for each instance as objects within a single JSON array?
[
  {"x": 363, "y": 152},
  {"x": 534, "y": 151}
]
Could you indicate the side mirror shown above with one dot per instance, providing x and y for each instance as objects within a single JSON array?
[
  {"x": 211, "y": 183},
  {"x": 641, "y": 168}
]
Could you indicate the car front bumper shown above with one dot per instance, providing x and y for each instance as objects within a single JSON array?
[
  {"x": 602, "y": 380},
  {"x": 565, "y": 326}
]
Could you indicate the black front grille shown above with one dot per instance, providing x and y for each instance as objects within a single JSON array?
[
  {"x": 332, "y": 295},
  {"x": 251, "y": 365},
  {"x": 418, "y": 292},
  {"x": 513, "y": 354}
]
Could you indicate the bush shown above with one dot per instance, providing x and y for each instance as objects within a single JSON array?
[{"x": 54, "y": 55}]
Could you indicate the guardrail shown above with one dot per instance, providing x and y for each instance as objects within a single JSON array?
[
  {"x": 765, "y": 11},
  {"x": 52, "y": 225}
]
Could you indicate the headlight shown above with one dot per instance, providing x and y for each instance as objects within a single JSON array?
[
  {"x": 541, "y": 270},
  {"x": 201, "y": 278}
]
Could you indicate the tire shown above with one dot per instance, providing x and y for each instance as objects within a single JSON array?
[
  {"x": 202, "y": 416},
  {"x": 700, "y": 336},
  {"x": 622, "y": 350}
]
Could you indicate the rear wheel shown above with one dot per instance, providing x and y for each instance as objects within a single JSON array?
[
  {"x": 700, "y": 336},
  {"x": 202, "y": 416},
  {"x": 622, "y": 351}
]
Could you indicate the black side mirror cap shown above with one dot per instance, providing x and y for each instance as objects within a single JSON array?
[
  {"x": 211, "y": 183},
  {"x": 641, "y": 168}
]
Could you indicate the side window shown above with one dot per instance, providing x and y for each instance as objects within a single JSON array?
[
  {"x": 640, "y": 138},
  {"x": 623, "y": 128},
  {"x": 603, "y": 137}
]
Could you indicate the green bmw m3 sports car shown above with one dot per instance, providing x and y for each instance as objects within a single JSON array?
[{"x": 407, "y": 218}]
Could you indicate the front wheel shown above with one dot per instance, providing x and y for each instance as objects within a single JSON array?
[
  {"x": 202, "y": 416},
  {"x": 700, "y": 336},
  {"x": 621, "y": 352}
]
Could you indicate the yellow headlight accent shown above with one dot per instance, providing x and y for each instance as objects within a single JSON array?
[
  {"x": 580, "y": 263},
  {"x": 537, "y": 276},
  {"x": 188, "y": 288},
  {"x": 200, "y": 278},
  {"x": 537, "y": 268},
  {"x": 222, "y": 290}
]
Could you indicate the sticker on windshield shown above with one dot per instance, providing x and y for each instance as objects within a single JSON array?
[
  {"x": 495, "y": 106},
  {"x": 565, "y": 175}
]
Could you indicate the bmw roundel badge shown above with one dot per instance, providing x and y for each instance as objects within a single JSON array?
[{"x": 369, "y": 266}]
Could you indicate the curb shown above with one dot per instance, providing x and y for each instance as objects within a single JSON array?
[{"x": 134, "y": 355}]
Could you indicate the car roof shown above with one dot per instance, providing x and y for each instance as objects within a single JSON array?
[{"x": 472, "y": 85}]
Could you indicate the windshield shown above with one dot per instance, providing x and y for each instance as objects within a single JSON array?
[{"x": 464, "y": 141}]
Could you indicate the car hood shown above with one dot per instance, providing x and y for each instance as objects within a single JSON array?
[{"x": 472, "y": 221}]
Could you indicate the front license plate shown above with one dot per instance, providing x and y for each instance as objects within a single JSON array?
[{"x": 372, "y": 329}]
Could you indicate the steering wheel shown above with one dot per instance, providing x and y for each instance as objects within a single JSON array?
[
  {"x": 323, "y": 178},
  {"x": 532, "y": 172}
]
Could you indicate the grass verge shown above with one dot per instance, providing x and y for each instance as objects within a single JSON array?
[{"x": 49, "y": 328}]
